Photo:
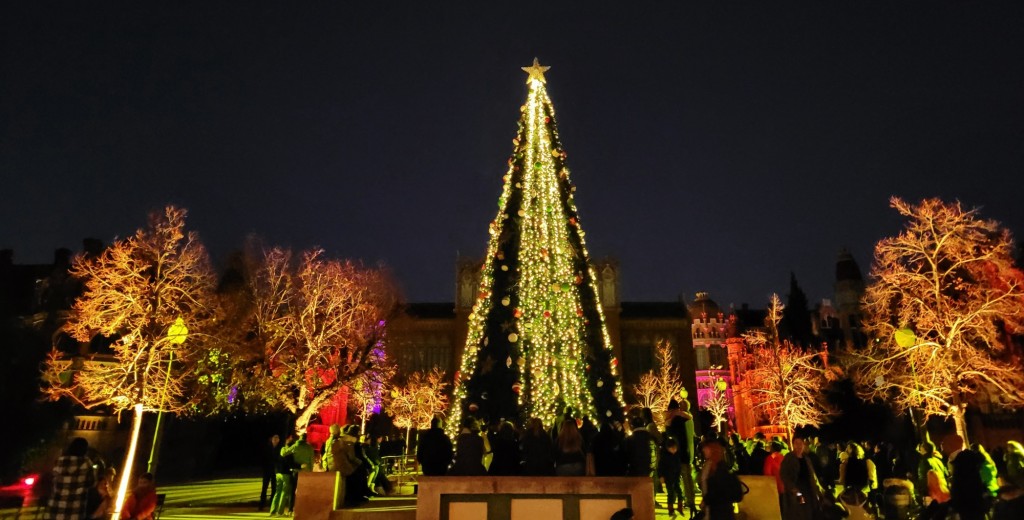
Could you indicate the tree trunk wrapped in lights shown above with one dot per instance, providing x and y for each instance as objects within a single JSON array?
[
  {"x": 944, "y": 307},
  {"x": 138, "y": 292},
  {"x": 537, "y": 339}
]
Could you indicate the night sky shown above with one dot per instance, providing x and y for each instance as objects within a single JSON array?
[{"x": 715, "y": 147}]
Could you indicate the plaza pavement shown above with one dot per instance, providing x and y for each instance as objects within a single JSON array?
[{"x": 237, "y": 498}]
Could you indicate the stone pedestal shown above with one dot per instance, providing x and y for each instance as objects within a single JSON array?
[
  {"x": 533, "y": 498},
  {"x": 317, "y": 494}
]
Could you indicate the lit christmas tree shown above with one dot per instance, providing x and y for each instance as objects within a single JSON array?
[{"x": 537, "y": 340}]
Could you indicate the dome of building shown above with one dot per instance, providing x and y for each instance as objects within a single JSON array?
[{"x": 704, "y": 306}]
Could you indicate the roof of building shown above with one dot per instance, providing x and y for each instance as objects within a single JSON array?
[
  {"x": 431, "y": 311},
  {"x": 704, "y": 305},
  {"x": 637, "y": 310},
  {"x": 747, "y": 318}
]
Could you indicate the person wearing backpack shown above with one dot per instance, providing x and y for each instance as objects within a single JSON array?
[{"x": 719, "y": 486}]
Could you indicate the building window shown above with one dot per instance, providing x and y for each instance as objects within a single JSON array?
[
  {"x": 702, "y": 358},
  {"x": 718, "y": 356}
]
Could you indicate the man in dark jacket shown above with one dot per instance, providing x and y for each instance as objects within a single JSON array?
[
  {"x": 434, "y": 451},
  {"x": 640, "y": 450},
  {"x": 801, "y": 490},
  {"x": 607, "y": 448},
  {"x": 270, "y": 457},
  {"x": 680, "y": 426}
]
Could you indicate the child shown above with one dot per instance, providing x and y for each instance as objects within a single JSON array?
[
  {"x": 143, "y": 501},
  {"x": 670, "y": 470}
]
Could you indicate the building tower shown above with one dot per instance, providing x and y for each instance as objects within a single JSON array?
[
  {"x": 709, "y": 331},
  {"x": 849, "y": 289}
]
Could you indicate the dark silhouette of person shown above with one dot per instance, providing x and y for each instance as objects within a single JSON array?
[
  {"x": 269, "y": 460},
  {"x": 434, "y": 452}
]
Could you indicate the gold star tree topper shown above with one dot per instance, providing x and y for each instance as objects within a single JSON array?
[{"x": 536, "y": 72}]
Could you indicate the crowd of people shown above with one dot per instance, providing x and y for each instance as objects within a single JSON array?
[
  {"x": 880, "y": 480},
  {"x": 854, "y": 480},
  {"x": 358, "y": 462},
  {"x": 574, "y": 446},
  {"x": 83, "y": 488},
  {"x": 814, "y": 481}
]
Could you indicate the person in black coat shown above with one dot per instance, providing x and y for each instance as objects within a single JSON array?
[
  {"x": 670, "y": 470},
  {"x": 434, "y": 452},
  {"x": 969, "y": 496},
  {"x": 755, "y": 465},
  {"x": 680, "y": 426},
  {"x": 469, "y": 451},
  {"x": 640, "y": 450},
  {"x": 270, "y": 459},
  {"x": 609, "y": 460},
  {"x": 536, "y": 450},
  {"x": 715, "y": 481},
  {"x": 505, "y": 448}
]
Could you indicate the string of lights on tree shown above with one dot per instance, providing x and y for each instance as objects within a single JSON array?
[{"x": 537, "y": 339}]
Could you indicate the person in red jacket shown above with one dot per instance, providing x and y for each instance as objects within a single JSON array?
[
  {"x": 142, "y": 503},
  {"x": 772, "y": 464}
]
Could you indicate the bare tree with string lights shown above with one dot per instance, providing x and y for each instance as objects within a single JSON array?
[
  {"x": 146, "y": 293},
  {"x": 944, "y": 308}
]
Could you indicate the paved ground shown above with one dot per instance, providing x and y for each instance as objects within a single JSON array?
[
  {"x": 234, "y": 498},
  {"x": 238, "y": 498}
]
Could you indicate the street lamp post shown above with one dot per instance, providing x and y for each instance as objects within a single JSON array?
[
  {"x": 176, "y": 335},
  {"x": 906, "y": 338}
]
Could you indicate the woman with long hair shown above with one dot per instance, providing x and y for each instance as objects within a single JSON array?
[
  {"x": 570, "y": 461},
  {"x": 536, "y": 450}
]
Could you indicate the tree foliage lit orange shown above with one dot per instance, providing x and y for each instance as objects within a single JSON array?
[
  {"x": 134, "y": 292},
  {"x": 785, "y": 382},
  {"x": 315, "y": 323},
  {"x": 415, "y": 403},
  {"x": 950, "y": 278}
]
